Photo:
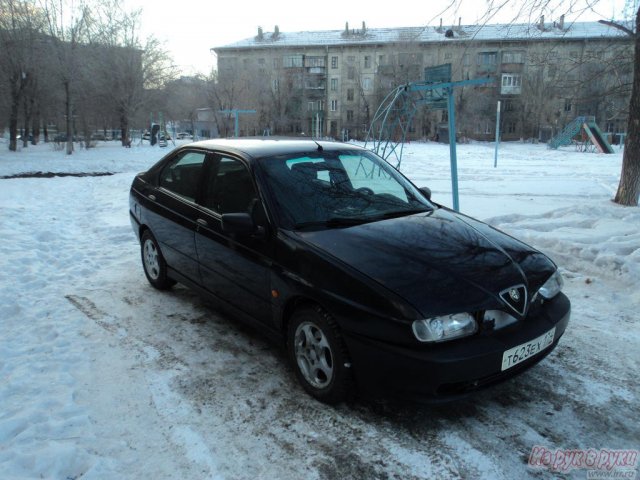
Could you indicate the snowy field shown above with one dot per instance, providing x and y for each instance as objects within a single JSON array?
[{"x": 101, "y": 376}]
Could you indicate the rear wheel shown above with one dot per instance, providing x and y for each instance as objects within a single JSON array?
[
  {"x": 155, "y": 268},
  {"x": 319, "y": 356}
]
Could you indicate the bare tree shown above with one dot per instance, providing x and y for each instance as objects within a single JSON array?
[
  {"x": 68, "y": 26},
  {"x": 129, "y": 65},
  {"x": 183, "y": 97},
  {"x": 20, "y": 30},
  {"x": 629, "y": 187}
]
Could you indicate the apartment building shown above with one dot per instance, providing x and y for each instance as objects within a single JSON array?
[{"x": 330, "y": 83}]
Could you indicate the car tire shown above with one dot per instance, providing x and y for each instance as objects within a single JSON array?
[
  {"x": 153, "y": 263},
  {"x": 319, "y": 356}
]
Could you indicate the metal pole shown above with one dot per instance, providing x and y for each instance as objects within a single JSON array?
[
  {"x": 495, "y": 156},
  {"x": 237, "y": 129},
  {"x": 452, "y": 149}
]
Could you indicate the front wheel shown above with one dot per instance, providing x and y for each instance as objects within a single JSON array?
[
  {"x": 319, "y": 356},
  {"x": 155, "y": 268}
]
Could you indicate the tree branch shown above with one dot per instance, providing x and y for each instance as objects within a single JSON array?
[{"x": 622, "y": 28}]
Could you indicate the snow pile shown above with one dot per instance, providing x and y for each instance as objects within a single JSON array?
[{"x": 602, "y": 239}]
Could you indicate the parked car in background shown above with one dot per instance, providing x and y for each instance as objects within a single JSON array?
[{"x": 366, "y": 281}]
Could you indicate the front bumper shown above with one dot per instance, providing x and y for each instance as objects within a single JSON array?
[{"x": 451, "y": 370}]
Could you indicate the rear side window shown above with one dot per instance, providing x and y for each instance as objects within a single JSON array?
[{"x": 182, "y": 175}]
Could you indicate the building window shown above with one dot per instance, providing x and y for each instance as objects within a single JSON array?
[
  {"x": 314, "y": 61},
  {"x": 513, "y": 57},
  {"x": 351, "y": 59},
  {"x": 334, "y": 84},
  {"x": 334, "y": 105},
  {"x": 511, "y": 84},
  {"x": 275, "y": 84},
  {"x": 466, "y": 60},
  {"x": 487, "y": 60},
  {"x": 350, "y": 94},
  {"x": 276, "y": 63},
  {"x": 316, "y": 106},
  {"x": 351, "y": 73},
  {"x": 367, "y": 62},
  {"x": 349, "y": 115},
  {"x": 510, "y": 127},
  {"x": 334, "y": 62},
  {"x": 508, "y": 106},
  {"x": 567, "y": 105},
  {"x": 448, "y": 56},
  {"x": 292, "y": 61},
  {"x": 366, "y": 83}
]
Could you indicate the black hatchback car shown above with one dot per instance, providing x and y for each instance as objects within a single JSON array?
[{"x": 329, "y": 249}]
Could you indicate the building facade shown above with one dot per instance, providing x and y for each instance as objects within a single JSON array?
[{"x": 330, "y": 83}]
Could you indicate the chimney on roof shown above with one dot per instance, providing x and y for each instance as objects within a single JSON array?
[
  {"x": 260, "y": 33},
  {"x": 364, "y": 28},
  {"x": 346, "y": 28},
  {"x": 440, "y": 27},
  {"x": 541, "y": 24},
  {"x": 561, "y": 23},
  {"x": 276, "y": 32}
]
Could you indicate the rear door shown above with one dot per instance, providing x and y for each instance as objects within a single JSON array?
[
  {"x": 234, "y": 268},
  {"x": 173, "y": 213}
]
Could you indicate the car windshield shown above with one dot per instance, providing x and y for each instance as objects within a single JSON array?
[{"x": 329, "y": 189}]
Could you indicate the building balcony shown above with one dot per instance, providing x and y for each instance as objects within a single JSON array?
[{"x": 511, "y": 90}]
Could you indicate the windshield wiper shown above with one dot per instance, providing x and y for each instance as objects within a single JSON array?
[{"x": 404, "y": 213}]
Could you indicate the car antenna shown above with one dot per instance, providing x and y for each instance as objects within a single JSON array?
[{"x": 319, "y": 146}]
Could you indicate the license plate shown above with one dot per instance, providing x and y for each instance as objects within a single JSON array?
[{"x": 518, "y": 354}]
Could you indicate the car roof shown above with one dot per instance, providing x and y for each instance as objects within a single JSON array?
[{"x": 262, "y": 147}]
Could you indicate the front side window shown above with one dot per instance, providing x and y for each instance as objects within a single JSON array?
[
  {"x": 229, "y": 188},
  {"x": 182, "y": 175},
  {"x": 340, "y": 188}
]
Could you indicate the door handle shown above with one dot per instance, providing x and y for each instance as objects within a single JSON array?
[
  {"x": 152, "y": 197},
  {"x": 202, "y": 222}
]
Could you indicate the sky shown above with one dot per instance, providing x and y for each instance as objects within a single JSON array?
[{"x": 190, "y": 28}]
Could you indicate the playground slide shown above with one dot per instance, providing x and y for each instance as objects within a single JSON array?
[{"x": 597, "y": 138}]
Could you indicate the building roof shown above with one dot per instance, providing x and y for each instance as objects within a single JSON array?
[{"x": 431, "y": 34}]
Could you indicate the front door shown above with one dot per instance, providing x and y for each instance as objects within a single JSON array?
[{"x": 235, "y": 269}]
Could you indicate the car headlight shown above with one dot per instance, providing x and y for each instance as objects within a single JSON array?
[
  {"x": 448, "y": 327},
  {"x": 552, "y": 287}
]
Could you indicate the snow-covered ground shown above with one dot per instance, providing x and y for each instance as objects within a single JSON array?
[{"x": 101, "y": 376}]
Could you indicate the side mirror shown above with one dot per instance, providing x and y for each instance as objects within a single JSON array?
[
  {"x": 240, "y": 224},
  {"x": 426, "y": 191}
]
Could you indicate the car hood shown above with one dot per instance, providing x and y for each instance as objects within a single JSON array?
[{"x": 440, "y": 262}]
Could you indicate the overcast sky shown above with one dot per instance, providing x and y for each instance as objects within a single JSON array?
[{"x": 189, "y": 28}]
